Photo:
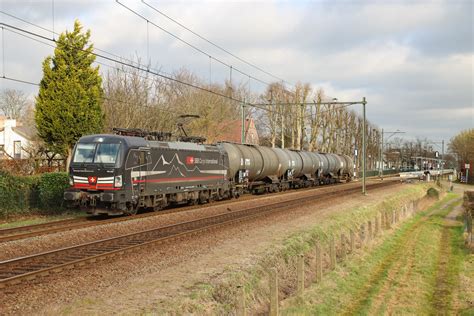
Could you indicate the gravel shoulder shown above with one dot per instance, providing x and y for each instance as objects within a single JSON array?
[{"x": 151, "y": 278}]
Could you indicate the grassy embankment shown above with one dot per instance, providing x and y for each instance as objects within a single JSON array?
[
  {"x": 420, "y": 269},
  {"x": 219, "y": 295},
  {"x": 38, "y": 218}
]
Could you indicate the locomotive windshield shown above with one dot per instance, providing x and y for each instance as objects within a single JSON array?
[{"x": 96, "y": 153}]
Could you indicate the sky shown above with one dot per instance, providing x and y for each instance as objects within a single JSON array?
[{"x": 412, "y": 60}]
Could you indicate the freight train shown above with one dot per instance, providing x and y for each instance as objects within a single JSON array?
[{"x": 120, "y": 174}]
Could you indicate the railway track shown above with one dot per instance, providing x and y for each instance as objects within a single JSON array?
[
  {"x": 22, "y": 232},
  {"x": 27, "y": 268}
]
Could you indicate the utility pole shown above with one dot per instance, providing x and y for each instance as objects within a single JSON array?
[
  {"x": 302, "y": 126},
  {"x": 442, "y": 158},
  {"x": 364, "y": 102},
  {"x": 282, "y": 128},
  {"x": 381, "y": 158},
  {"x": 242, "y": 139},
  {"x": 382, "y": 149}
]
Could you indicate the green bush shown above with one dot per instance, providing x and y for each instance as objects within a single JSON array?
[
  {"x": 17, "y": 194},
  {"x": 433, "y": 193},
  {"x": 51, "y": 188},
  {"x": 21, "y": 194}
]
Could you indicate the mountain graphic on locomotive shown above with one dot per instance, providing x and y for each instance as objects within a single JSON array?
[{"x": 134, "y": 169}]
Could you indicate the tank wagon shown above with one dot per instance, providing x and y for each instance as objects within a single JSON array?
[{"x": 117, "y": 174}]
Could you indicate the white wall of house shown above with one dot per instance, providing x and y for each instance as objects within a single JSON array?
[{"x": 8, "y": 138}]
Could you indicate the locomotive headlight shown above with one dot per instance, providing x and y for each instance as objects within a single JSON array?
[
  {"x": 71, "y": 181},
  {"x": 118, "y": 181}
]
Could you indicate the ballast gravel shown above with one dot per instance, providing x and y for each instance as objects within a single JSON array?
[{"x": 138, "y": 283}]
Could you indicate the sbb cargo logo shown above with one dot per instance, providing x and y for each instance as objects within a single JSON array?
[
  {"x": 189, "y": 160},
  {"x": 92, "y": 180}
]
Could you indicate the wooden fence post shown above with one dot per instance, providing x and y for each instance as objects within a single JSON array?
[
  {"x": 362, "y": 235},
  {"x": 376, "y": 230},
  {"x": 319, "y": 263},
  {"x": 241, "y": 301},
  {"x": 274, "y": 292},
  {"x": 369, "y": 234},
  {"x": 352, "y": 236},
  {"x": 300, "y": 274},
  {"x": 343, "y": 247},
  {"x": 332, "y": 253}
]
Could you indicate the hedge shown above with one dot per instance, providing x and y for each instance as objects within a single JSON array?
[{"x": 21, "y": 194}]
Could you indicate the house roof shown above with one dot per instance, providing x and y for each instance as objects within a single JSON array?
[
  {"x": 25, "y": 131},
  {"x": 231, "y": 131}
]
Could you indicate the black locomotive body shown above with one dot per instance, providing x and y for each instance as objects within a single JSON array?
[{"x": 114, "y": 174}]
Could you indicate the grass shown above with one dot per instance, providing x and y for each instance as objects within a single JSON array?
[
  {"x": 39, "y": 218},
  {"x": 220, "y": 296},
  {"x": 400, "y": 276}
]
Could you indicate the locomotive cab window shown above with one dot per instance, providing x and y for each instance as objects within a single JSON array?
[
  {"x": 104, "y": 153},
  {"x": 107, "y": 153}
]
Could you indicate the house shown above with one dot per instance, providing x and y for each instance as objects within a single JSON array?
[
  {"x": 231, "y": 131},
  {"x": 14, "y": 138}
]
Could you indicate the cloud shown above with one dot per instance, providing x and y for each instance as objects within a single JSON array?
[{"x": 412, "y": 60}]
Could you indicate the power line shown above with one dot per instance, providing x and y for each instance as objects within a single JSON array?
[
  {"x": 214, "y": 44},
  {"x": 102, "y": 97},
  {"x": 55, "y": 33},
  {"x": 25, "y": 33},
  {"x": 19, "y": 80},
  {"x": 189, "y": 44},
  {"x": 121, "y": 57},
  {"x": 104, "y": 51},
  {"x": 20, "y": 30},
  {"x": 191, "y": 85},
  {"x": 53, "y": 46}
]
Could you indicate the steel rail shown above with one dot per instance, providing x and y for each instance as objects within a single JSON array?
[
  {"x": 18, "y": 229},
  {"x": 26, "y": 268}
]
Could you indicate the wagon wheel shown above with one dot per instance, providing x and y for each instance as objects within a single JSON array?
[{"x": 131, "y": 209}]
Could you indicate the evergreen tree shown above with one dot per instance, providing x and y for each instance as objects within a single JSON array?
[{"x": 69, "y": 103}]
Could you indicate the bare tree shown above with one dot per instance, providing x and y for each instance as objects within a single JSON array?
[{"x": 13, "y": 103}]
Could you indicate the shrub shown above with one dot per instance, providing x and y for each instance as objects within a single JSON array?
[
  {"x": 17, "y": 194},
  {"x": 20, "y": 194},
  {"x": 51, "y": 189},
  {"x": 433, "y": 193}
]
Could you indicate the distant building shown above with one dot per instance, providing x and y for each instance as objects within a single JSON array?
[
  {"x": 231, "y": 131},
  {"x": 14, "y": 138}
]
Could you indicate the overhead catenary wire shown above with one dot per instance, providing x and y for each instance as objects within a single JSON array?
[
  {"x": 113, "y": 54},
  {"x": 131, "y": 64},
  {"x": 102, "y": 97},
  {"x": 189, "y": 44},
  {"x": 191, "y": 85},
  {"x": 121, "y": 58},
  {"x": 3, "y": 50},
  {"x": 53, "y": 46},
  {"x": 55, "y": 33},
  {"x": 215, "y": 45}
]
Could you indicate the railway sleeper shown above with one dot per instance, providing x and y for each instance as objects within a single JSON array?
[
  {"x": 39, "y": 266},
  {"x": 72, "y": 258}
]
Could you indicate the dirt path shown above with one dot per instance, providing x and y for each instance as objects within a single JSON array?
[
  {"x": 385, "y": 276},
  {"x": 442, "y": 296},
  {"x": 392, "y": 286}
]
